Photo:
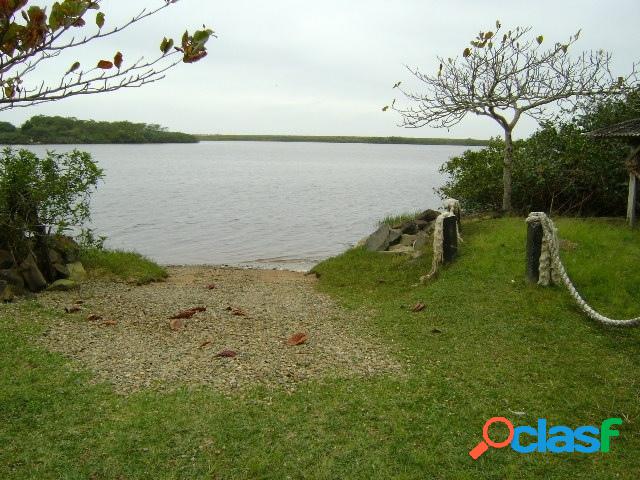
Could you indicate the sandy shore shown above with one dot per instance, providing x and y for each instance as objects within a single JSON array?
[{"x": 122, "y": 332}]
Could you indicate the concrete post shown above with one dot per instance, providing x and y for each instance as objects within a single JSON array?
[
  {"x": 534, "y": 248},
  {"x": 449, "y": 239}
]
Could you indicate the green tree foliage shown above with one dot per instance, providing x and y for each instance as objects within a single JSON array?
[
  {"x": 32, "y": 36},
  {"x": 56, "y": 130},
  {"x": 558, "y": 169},
  {"x": 39, "y": 196}
]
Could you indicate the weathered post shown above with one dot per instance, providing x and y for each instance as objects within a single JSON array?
[
  {"x": 633, "y": 200},
  {"x": 534, "y": 248},
  {"x": 449, "y": 239}
]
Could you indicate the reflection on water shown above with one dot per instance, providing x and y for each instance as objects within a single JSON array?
[{"x": 263, "y": 204}]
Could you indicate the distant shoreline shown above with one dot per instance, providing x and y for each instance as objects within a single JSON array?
[{"x": 467, "y": 142}]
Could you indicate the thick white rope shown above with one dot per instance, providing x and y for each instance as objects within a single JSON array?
[
  {"x": 452, "y": 208},
  {"x": 552, "y": 270},
  {"x": 452, "y": 205}
]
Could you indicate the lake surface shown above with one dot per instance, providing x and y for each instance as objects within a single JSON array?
[{"x": 265, "y": 204}]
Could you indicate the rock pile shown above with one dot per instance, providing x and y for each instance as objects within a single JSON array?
[
  {"x": 409, "y": 237},
  {"x": 60, "y": 271}
]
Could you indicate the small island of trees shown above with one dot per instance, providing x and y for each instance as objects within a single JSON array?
[{"x": 42, "y": 129}]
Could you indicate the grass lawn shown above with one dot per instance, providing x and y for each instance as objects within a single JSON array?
[{"x": 504, "y": 348}]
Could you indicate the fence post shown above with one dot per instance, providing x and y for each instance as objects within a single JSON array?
[
  {"x": 633, "y": 199},
  {"x": 534, "y": 248},
  {"x": 449, "y": 239}
]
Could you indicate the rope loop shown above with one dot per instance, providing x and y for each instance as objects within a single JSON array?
[{"x": 552, "y": 271}]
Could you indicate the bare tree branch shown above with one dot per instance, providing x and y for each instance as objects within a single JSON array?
[{"x": 32, "y": 37}]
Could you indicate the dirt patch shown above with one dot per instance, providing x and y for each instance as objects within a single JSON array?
[{"x": 129, "y": 341}]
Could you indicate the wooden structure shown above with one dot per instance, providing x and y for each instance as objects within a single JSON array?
[{"x": 628, "y": 131}]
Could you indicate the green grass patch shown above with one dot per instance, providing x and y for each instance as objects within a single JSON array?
[
  {"x": 392, "y": 220},
  {"x": 129, "y": 266},
  {"x": 487, "y": 344}
]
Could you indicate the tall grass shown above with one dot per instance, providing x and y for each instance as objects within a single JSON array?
[{"x": 128, "y": 266}]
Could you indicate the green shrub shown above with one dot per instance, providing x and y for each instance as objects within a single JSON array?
[{"x": 43, "y": 195}]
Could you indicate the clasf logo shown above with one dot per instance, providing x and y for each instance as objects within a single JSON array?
[{"x": 556, "y": 439}]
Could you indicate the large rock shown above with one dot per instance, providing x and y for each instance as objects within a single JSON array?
[
  {"x": 61, "y": 270},
  {"x": 422, "y": 239},
  {"x": 55, "y": 256},
  {"x": 77, "y": 273},
  {"x": 401, "y": 249},
  {"x": 6, "y": 292},
  {"x": 6, "y": 259},
  {"x": 408, "y": 240},
  {"x": 394, "y": 236},
  {"x": 422, "y": 224},
  {"x": 62, "y": 285},
  {"x": 378, "y": 240},
  {"x": 428, "y": 215},
  {"x": 67, "y": 247},
  {"x": 409, "y": 228},
  {"x": 32, "y": 275},
  {"x": 12, "y": 277}
]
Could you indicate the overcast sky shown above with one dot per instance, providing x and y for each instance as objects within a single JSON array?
[{"x": 320, "y": 68}]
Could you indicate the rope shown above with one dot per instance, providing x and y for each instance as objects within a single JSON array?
[
  {"x": 452, "y": 208},
  {"x": 552, "y": 271}
]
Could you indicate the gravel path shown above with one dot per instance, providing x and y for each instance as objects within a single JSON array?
[{"x": 133, "y": 346}]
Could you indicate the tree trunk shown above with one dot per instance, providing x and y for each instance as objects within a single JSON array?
[{"x": 507, "y": 168}]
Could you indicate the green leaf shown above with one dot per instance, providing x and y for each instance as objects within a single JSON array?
[
  {"x": 166, "y": 45},
  {"x": 539, "y": 39},
  {"x": 100, "y": 19},
  {"x": 74, "y": 67}
]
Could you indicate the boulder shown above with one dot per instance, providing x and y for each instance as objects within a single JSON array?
[
  {"x": 6, "y": 259},
  {"x": 67, "y": 247},
  {"x": 12, "y": 277},
  {"x": 77, "y": 273},
  {"x": 409, "y": 228},
  {"x": 62, "y": 285},
  {"x": 6, "y": 292},
  {"x": 32, "y": 275},
  {"x": 394, "y": 236},
  {"x": 428, "y": 215},
  {"x": 422, "y": 224},
  {"x": 408, "y": 240},
  {"x": 400, "y": 249},
  {"x": 61, "y": 270},
  {"x": 55, "y": 256},
  {"x": 422, "y": 239},
  {"x": 378, "y": 240}
]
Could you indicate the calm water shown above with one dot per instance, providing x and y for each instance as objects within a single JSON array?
[{"x": 265, "y": 204}]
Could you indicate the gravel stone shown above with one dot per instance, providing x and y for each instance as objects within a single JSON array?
[{"x": 133, "y": 347}]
